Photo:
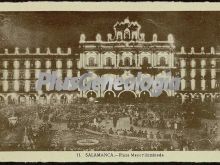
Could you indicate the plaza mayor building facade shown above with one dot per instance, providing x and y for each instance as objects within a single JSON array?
[{"x": 124, "y": 54}]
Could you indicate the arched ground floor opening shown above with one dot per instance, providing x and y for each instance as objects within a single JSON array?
[
  {"x": 91, "y": 95},
  {"x": 43, "y": 99},
  {"x": 32, "y": 98},
  {"x": 22, "y": 99},
  {"x": 144, "y": 96},
  {"x": 2, "y": 99},
  {"x": 127, "y": 96},
  {"x": 64, "y": 99},
  {"x": 197, "y": 98},
  {"x": 178, "y": 98},
  {"x": 217, "y": 98},
  {"x": 11, "y": 99},
  {"x": 54, "y": 99},
  {"x": 163, "y": 96},
  {"x": 187, "y": 98},
  {"x": 109, "y": 96},
  {"x": 208, "y": 98}
]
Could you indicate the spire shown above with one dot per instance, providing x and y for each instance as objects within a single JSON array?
[
  {"x": 126, "y": 20},
  {"x": 183, "y": 50},
  {"x": 192, "y": 50}
]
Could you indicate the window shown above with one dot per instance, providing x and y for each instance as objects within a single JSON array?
[
  {"x": 21, "y": 64},
  {"x": 10, "y": 64},
  {"x": 53, "y": 64},
  {"x": 32, "y": 74},
  {"x": 162, "y": 61},
  {"x": 22, "y": 75},
  {"x": 108, "y": 61},
  {"x": 10, "y": 75},
  {"x": 64, "y": 74},
  {"x": 32, "y": 87},
  {"x": 42, "y": 64},
  {"x": 44, "y": 88},
  {"x": 208, "y": 84},
  {"x": 10, "y": 86},
  {"x": 126, "y": 34},
  {"x": 91, "y": 61},
  {"x": 198, "y": 85},
  {"x": 22, "y": 86},
  {"x": 127, "y": 61},
  {"x": 188, "y": 85},
  {"x": 145, "y": 61},
  {"x": 32, "y": 64},
  {"x": 119, "y": 36}
]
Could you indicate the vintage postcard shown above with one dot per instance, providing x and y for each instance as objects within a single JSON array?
[{"x": 109, "y": 82}]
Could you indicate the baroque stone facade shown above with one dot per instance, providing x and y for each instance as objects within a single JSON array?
[
  {"x": 127, "y": 52},
  {"x": 124, "y": 53},
  {"x": 20, "y": 69}
]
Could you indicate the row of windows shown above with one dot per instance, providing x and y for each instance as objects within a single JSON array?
[
  {"x": 32, "y": 74},
  {"x": 197, "y": 85},
  {"x": 199, "y": 75},
  {"x": 11, "y": 86},
  {"x": 199, "y": 64},
  {"x": 36, "y": 64},
  {"x": 127, "y": 61}
]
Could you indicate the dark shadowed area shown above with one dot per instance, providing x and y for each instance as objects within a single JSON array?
[{"x": 63, "y": 29}]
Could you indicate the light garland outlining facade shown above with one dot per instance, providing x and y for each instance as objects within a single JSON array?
[
  {"x": 127, "y": 53},
  {"x": 124, "y": 54},
  {"x": 20, "y": 70}
]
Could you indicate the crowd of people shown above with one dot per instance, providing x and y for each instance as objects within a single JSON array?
[{"x": 159, "y": 126}]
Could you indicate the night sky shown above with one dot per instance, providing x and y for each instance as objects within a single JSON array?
[{"x": 63, "y": 29}]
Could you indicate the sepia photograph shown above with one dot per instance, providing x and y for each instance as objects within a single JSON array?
[{"x": 109, "y": 81}]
